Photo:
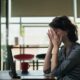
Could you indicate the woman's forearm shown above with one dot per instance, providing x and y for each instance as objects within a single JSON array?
[
  {"x": 47, "y": 61},
  {"x": 54, "y": 59}
]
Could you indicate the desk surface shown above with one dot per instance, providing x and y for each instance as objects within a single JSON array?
[{"x": 34, "y": 74}]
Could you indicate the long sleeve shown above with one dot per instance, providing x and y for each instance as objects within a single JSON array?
[
  {"x": 68, "y": 64},
  {"x": 48, "y": 71}
]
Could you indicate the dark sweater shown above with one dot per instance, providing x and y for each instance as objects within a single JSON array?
[{"x": 68, "y": 66}]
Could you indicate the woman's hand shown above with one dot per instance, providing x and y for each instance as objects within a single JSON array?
[
  {"x": 50, "y": 41},
  {"x": 55, "y": 39}
]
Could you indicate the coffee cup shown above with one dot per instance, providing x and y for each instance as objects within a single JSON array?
[{"x": 25, "y": 66}]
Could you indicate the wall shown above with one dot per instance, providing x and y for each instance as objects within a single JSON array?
[{"x": 42, "y": 7}]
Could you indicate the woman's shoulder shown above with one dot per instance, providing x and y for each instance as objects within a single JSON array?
[
  {"x": 75, "y": 50},
  {"x": 76, "y": 46}
]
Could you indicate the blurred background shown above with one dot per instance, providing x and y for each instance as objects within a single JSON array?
[{"x": 24, "y": 26}]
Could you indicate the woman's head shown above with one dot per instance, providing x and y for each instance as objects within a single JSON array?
[{"x": 64, "y": 24}]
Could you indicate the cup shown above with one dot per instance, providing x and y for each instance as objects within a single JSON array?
[{"x": 25, "y": 66}]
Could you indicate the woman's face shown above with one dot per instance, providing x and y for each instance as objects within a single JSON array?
[{"x": 61, "y": 33}]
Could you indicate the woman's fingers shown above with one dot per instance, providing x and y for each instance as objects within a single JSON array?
[
  {"x": 56, "y": 39},
  {"x": 53, "y": 32},
  {"x": 49, "y": 34}
]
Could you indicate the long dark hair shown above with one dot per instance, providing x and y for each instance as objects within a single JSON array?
[{"x": 65, "y": 24}]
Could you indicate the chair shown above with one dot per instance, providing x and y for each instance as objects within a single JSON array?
[
  {"x": 11, "y": 63},
  {"x": 39, "y": 57}
]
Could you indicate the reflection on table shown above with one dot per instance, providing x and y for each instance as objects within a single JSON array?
[{"x": 34, "y": 74}]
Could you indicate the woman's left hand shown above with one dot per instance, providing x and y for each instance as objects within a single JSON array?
[{"x": 55, "y": 38}]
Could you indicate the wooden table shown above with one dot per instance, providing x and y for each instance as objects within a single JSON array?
[{"x": 34, "y": 74}]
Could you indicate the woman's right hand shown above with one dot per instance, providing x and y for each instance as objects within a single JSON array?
[
  {"x": 50, "y": 41},
  {"x": 55, "y": 40}
]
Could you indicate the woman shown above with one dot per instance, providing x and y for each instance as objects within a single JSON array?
[{"x": 63, "y": 63}]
